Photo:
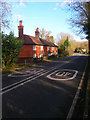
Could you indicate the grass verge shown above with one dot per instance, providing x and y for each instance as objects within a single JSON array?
[
  {"x": 20, "y": 66},
  {"x": 16, "y": 67}
]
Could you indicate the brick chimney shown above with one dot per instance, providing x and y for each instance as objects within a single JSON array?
[
  {"x": 37, "y": 33},
  {"x": 20, "y": 29}
]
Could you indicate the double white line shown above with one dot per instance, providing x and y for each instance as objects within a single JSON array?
[
  {"x": 23, "y": 74},
  {"x": 22, "y": 82}
]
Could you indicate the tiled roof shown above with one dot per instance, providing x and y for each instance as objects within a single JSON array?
[
  {"x": 47, "y": 43},
  {"x": 31, "y": 40}
]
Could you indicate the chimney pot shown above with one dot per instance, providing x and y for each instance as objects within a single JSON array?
[
  {"x": 20, "y": 29},
  {"x": 37, "y": 29},
  {"x": 37, "y": 33}
]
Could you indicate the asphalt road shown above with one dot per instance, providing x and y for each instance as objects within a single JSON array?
[{"x": 43, "y": 91}]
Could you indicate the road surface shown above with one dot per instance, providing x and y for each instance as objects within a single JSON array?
[{"x": 47, "y": 90}]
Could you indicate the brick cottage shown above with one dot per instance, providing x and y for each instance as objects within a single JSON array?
[{"x": 34, "y": 46}]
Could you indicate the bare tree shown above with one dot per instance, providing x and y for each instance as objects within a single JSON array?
[
  {"x": 61, "y": 37},
  {"x": 5, "y": 12},
  {"x": 44, "y": 33},
  {"x": 80, "y": 18}
]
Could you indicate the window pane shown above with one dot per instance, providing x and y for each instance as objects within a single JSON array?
[
  {"x": 41, "y": 47},
  {"x": 34, "y": 55},
  {"x": 34, "y": 47}
]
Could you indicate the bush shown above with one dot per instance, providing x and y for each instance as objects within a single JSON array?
[
  {"x": 11, "y": 47},
  {"x": 53, "y": 57}
]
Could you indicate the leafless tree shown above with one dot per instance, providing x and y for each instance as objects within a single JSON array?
[
  {"x": 80, "y": 18},
  {"x": 5, "y": 12},
  {"x": 44, "y": 33},
  {"x": 61, "y": 37}
]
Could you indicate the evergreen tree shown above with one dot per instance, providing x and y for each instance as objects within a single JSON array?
[{"x": 11, "y": 47}]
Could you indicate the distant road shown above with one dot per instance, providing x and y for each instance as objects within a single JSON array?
[
  {"x": 79, "y": 54},
  {"x": 43, "y": 91}
]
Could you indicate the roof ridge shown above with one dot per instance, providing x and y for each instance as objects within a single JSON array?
[{"x": 28, "y": 39}]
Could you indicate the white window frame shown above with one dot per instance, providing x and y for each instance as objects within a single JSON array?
[
  {"x": 52, "y": 48},
  {"x": 40, "y": 55},
  {"x": 34, "y": 55},
  {"x": 34, "y": 47},
  {"x": 41, "y": 47},
  {"x": 48, "y": 48},
  {"x": 52, "y": 53},
  {"x": 49, "y": 54}
]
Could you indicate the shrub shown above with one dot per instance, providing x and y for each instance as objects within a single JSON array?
[{"x": 11, "y": 47}]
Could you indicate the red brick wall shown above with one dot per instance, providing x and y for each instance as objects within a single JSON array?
[
  {"x": 38, "y": 50},
  {"x": 27, "y": 51},
  {"x": 45, "y": 50},
  {"x": 54, "y": 50}
]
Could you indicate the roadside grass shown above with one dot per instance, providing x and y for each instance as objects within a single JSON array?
[
  {"x": 20, "y": 66},
  {"x": 16, "y": 67},
  {"x": 54, "y": 57}
]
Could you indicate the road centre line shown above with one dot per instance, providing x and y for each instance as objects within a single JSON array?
[
  {"x": 70, "y": 113},
  {"x": 37, "y": 73},
  {"x": 29, "y": 80},
  {"x": 19, "y": 81},
  {"x": 20, "y": 84},
  {"x": 52, "y": 68}
]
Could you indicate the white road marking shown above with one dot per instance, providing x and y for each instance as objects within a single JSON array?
[
  {"x": 52, "y": 68},
  {"x": 23, "y": 74},
  {"x": 69, "y": 116},
  {"x": 67, "y": 73},
  {"x": 58, "y": 74},
  {"x": 29, "y": 80},
  {"x": 70, "y": 78},
  {"x": 18, "y": 82}
]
